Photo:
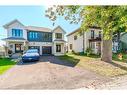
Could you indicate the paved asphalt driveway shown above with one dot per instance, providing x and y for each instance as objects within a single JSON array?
[{"x": 49, "y": 73}]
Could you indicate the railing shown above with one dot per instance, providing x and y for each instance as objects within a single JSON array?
[{"x": 95, "y": 39}]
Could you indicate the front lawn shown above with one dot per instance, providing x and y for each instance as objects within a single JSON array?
[
  {"x": 5, "y": 64},
  {"x": 69, "y": 59},
  {"x": 98, "y": 66},
  {"x": 114, "y": 56}
]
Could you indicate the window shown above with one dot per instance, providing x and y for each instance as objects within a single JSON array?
[
  {"x": 92, "y": 34},
  {"x": 99, "y": 34},
  {"x": 17, "y": 32},
  {"x": 92, "y": 45},
  {"x": 70, "y": 46},
  {"x": 47, "y": 37},
  {"x": 75, "y": 37},
  {"x": 33, "y": 35},
  {"x": 39, "y": 36},
  {"x": 58, "y": 35},
  {"x": 58, "y": 48}
]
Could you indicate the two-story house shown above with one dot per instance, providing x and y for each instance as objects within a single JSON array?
[
  {"x": 79, "y": 41},
  {"x": 47, "y": 41}
]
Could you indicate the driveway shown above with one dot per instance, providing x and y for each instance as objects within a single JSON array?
[{"x": 49, "y": 73}]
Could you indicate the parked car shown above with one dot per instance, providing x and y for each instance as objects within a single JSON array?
[{"x": 31, "y": 55}]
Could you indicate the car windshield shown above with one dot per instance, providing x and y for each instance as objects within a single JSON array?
[{"x": 32, "y": 51}]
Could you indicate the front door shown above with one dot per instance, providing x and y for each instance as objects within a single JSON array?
[
  {"x": 46, "y": 50},
  {"x": 18, "y": 48}
]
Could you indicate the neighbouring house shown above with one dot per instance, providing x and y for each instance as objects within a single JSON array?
[
  {"x": 123, "y": 40},
  {"x": 120, "y": 42},
  {"x": 79, "y": 41},
  {"x": 47, "y": 41}
]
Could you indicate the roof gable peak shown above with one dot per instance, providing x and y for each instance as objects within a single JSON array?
[{"x": 13, "y": 21}]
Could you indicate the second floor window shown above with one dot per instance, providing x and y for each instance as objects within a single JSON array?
[
  {"x": 46, "y": 37},
  {"x": 39, "y": 36},
  {"x": 92, "y": 34},
  {"x": 99, "y": 34},
  {"x": 17, "y": 33},
  {"x": 33, "y": 35},
  {"x": 75, "y": 37},
  {"x": 58, "y": 35}
]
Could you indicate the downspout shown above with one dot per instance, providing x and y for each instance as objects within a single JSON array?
[
  {"x": 118, "y": 39},
  {"x": 83, "y": 43}
]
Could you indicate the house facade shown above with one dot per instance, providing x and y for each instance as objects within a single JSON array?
[
  {"x": 120, "y": 42},
  {"x": 47, "y": 41},
  {"x": 79, "y": 41}
]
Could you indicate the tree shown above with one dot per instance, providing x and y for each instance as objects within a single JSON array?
[{"x": 109, "y": 18}]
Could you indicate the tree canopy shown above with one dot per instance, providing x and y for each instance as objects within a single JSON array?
[{"x": 109, "y": 18}]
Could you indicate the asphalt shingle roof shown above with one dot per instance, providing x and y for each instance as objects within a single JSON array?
[{"x": 14, "y": 38}]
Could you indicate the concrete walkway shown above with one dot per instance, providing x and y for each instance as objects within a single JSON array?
[{"x": 49, "y": 73}]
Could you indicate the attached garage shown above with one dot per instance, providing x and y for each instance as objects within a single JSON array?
[
  {"x": 46, "y": 50},
  {"x": 35, "y": 47}
]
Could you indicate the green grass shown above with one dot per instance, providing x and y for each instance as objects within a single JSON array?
[
  {"x": 69, "y": 59},
  {"x": 84, "y": 54},
  {"x": 114, "y": 56},
  {"x": 5, "y": 64}
]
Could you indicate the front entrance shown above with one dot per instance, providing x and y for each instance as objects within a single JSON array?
[
  {"x": 46, "y": 50},
  {"x": 95, "y": 46},
  {"x": 18, "y": 48}
]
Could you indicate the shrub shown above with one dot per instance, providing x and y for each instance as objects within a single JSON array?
[
  {"x": 88, "y": 51},
  {"x": 76, "y": 53},
  {"x": 9, "y": 51}
]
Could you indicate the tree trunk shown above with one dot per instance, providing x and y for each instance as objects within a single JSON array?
[{"x": 106, "y": 50}]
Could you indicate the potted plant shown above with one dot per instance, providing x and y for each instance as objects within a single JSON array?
[{"x": 9, "y": 52}]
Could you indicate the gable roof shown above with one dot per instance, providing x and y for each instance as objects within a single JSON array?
[
  {"x": 8, "y": 24},
  {"x": 73, "y": 32},
  {"x": 35, "y": 28},
  {"x": 60, "y": 28},
  {"x": 91, "y": 27}
]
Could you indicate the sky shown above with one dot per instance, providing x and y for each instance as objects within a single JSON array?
[{"x": 31, "y": 15}]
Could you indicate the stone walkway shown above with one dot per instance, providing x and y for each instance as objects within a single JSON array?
[{"x": 49, "y": 73}]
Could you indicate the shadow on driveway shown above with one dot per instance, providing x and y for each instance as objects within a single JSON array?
[
  {"x": 53, "y": 60},
  {"x": 57, "y": 60},
  {"x": 119, "y": 66}
]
